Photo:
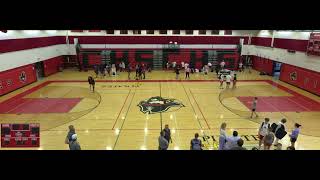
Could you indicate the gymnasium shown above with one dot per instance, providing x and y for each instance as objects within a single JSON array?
[{"x": 141, "y": 85}]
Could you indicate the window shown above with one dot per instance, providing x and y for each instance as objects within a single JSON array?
[
  {"x": 176, "y": 32},
  {"x": 202, "y": 32},
  {"x": 136, "y": 31},
  {"x": 189, "y": 32},
  {"x": 215, "y": 32},
  {"x": 110, "y": 31},
  {"x": 123, "y": 31},
  {"x": 150, "y": 31},
  {"x": 162, "y": 31},
  {"x": 227, "y": 32}
]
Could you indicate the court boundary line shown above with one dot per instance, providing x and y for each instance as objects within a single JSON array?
[{"x": 124, "y": 103}]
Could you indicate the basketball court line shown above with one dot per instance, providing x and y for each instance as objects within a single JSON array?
[
  {"x": 121, "y": 109},
  {"x": 200, "y": 109},
  {"x": 125, "y": 117}
]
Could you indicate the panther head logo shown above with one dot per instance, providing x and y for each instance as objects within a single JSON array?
[
  {"x": 23, "y": 77},
  {"x": 293, "y": 76},
  {"x": 158, "y": 104}
]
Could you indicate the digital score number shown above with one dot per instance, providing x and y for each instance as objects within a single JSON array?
[{"x": 20, "y": 135}]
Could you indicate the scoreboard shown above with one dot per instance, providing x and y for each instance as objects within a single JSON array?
[{"x": 20, "y": 135}]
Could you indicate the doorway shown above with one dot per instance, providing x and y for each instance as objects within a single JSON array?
[
  {"x": 276, "y": 69},
  {"x": 39, "y": 70}
]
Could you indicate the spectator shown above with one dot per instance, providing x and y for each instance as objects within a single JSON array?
[
  {"x": 91, "y": 83},
  {"x": 268, "y": 139},
  {"x": 74, "y": 144},
  {"x": 239, "y": 145},
  {"x": 223, "y": 136},
  {"x": 232, "y": 141},
  {"x": 167, "y": 134},
  {"x": 188, "y": 72},
  {"x": 263, "y": 130},
  {"x": 228, "y": 80},
  {"x": 71, "y": 132},
  {"x": 177, "y": 72},
  {"x": 295, "y": 133},
  {"x": 163, "y": 143},
  {"x": 222, "y": 64},
  {"x": 234, "y": 83},
  {"x": 280, "y": 130},
  {"x": 254, "y": 107},
  {"x": 221, "y": 77},
  {"x": 196, "y": 143}
]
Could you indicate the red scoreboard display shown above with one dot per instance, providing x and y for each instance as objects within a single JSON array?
[{"x": 20, "y": 135}]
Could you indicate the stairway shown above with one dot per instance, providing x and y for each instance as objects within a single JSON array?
[
  {"x": 157, "y": 60},
  {"x": 213, "y": 58},
  {"x": 105, "y": 57}
]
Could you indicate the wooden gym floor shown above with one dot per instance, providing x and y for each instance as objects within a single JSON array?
[{"x": 111, "y": 118}]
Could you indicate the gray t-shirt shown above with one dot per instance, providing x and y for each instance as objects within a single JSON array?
[
  {"x": 254, "y": 105},
  {"x": 163, "y": 143}
]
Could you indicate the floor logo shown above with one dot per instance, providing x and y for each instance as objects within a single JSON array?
[{"x": 158, "y": 104}]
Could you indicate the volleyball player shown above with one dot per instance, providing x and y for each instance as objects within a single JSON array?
[
  {"x": 221, "y": 80},
  {"x": 254, "y": 107}
]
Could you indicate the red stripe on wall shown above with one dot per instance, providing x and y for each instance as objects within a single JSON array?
[
  {"x": 11, "y": 45},
  {"x": 291, "y": 44}
]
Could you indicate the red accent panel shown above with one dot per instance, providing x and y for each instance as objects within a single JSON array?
[
  {"x": 48, "y": 105},
  {"x": 10, "y": 80},
  {"x": 51, "y": 66},
  {"x": 11, "y": 45},
  {"x": 305, "y": 79},
  {"x": 291, "y": 44},
  {"x": 157, "y": 39},
  {"x": 262, "y": 65},
  {"x": 260, "y": 41}
]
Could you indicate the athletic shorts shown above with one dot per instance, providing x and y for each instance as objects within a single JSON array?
[
  {"x": 228, "y": 82},
  {"x": 253, "y": 110},
  {"x": 261, "y": 137}
]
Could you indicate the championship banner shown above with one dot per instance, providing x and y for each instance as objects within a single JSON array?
[{"x": 314, "y": 44}]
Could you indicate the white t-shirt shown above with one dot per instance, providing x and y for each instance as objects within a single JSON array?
[
  {"x": 221, "y": 77},
  {"x": 240, "y": 65},
  {"x": 228, "y": 78},
  {"x": 209, "y": 64},
  {"x": 182, "y": 64},
  {"x": 263, "y": 131},
  {"x": 222, "y": 63}
]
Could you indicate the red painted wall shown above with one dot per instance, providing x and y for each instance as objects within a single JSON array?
[
  {"x": 11, "y": 45},
  {"x": 291, "y": 44},
  {"x": 305, "y": 79},
  {"x": 52, "y": 65},
  {"x": 94, "y": 59},
  {"x": 11, "y": 80},
  {"x": 262, "y": 65}
]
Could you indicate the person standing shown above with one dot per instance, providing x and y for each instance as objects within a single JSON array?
[
  {"x": 222, "y": 64},
  {"x": 167, "y": 134},
  {"x": 143, "y": 70},
  {"x": 163, "y": 143},
  {"x": 196, "y": 143},
  {"x": 96, "y": 70},
  {"x": 254, "y": 107},
  {"x": 240, "y": 66},
  {"x": 74, "y": 144},
  {"x": 223, "y": 136},
  {"x": 188, "y": 72},
  {"x": 177, "y": 72},
  {"x": 137, "y": 71},
  {"x": 228, "y": 80},
  {"x": 232, "y": 141},
  {"x": 129, "y": 71},
  {"x": 234, "y": 82},
  {"x": 71, "y": 132},
  {"x": 240, "y": 143},
  {"x": 263, "y": 130},
  {"x": 268, "y": 139},
  {"x": 91, "y": 83},
  {"x": 280, "y": 130},
  {"x": 295, "y": 133}
]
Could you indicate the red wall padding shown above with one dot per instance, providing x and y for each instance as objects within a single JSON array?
[
  {"x": 10, "y": 79},
  {"x": 52, "y": 65},
  {"x": 262, "y": 65},
  {"x": 260, "y": 41},
  {"x": 306, "y": 79},
  {"x": 94, "y": 59},
  {"x": 11, "y": 45}
]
